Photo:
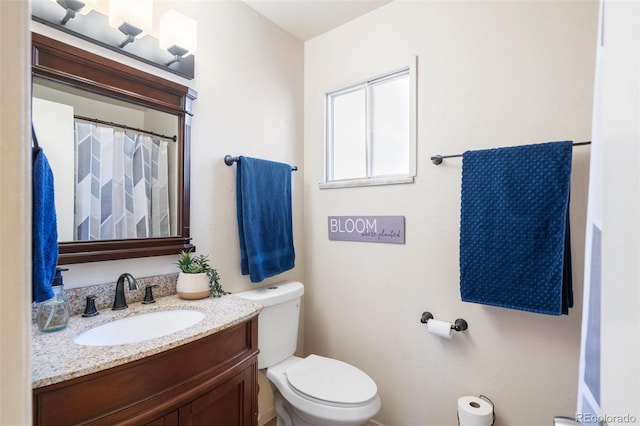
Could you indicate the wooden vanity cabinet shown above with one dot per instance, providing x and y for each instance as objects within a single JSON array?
[{"x": 211, "y": 381}]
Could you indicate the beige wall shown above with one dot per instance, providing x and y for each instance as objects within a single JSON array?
[
  {"x": 15, "y": 215},
  {"x": 489, "y": 74}
]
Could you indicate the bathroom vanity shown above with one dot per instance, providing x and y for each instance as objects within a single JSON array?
[{"x": 204, "y": 374}]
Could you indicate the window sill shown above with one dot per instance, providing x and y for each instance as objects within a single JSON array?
[{"x": 351, "y": 183}]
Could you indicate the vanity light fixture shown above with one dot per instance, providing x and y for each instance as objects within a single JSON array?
[
  {"x": 178, "y": 35},
  {"x": 72, "y": 7},
  {"x": 133, "y": 18}
]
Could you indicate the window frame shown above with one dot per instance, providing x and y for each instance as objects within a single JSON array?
[{"x": 409, "y": 69}]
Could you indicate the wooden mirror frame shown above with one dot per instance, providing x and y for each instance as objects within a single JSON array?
[{"x": 58, "y": 61}]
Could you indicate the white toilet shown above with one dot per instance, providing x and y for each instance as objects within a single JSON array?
[{"x": 307, "y": 391}]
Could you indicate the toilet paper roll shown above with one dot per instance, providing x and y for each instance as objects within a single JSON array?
[
  {"x": 473, "y": 411},
  {"x": 439, "y": 328}
]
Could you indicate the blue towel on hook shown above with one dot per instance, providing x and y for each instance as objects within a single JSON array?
[
  {"x": 44, "y": 228},
  {"x": 514, "y": 228},
  {"x": 263, "y": 199}
]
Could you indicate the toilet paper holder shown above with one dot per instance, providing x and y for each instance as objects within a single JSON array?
[{"x": 458, "y": 325}]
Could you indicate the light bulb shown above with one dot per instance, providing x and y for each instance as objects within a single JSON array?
[
  {"x": 138, "y": 13},
  {"x": 178, "y": 30}
]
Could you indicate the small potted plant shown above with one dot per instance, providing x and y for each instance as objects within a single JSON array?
[{"x": 197, "y": 279}]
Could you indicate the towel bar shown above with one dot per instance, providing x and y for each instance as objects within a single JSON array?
[
  {"x": 229, "y": 160},
  {"x": 458, "y": 325},
  {"x": 437, "y": 159}
]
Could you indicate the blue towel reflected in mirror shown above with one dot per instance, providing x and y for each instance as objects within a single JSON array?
[{"x": 44, "y": 227}]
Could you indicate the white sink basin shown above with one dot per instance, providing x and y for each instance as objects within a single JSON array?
[{"x": 140, "y": 327}]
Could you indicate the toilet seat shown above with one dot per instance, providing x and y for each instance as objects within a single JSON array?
[
  {"x": 331, "y": 382},
  {"x": 314, "y": 410}
]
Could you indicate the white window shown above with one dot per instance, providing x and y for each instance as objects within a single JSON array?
[{"x": 370, "y": 132}]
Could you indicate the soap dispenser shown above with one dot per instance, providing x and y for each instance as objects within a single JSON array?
[{"x": 53, "y": 314}]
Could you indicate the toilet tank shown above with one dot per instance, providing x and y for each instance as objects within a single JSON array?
[{"x": 278, "y": 320}]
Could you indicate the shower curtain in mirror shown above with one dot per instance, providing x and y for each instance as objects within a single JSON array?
[{"x": 122, "y": 188}]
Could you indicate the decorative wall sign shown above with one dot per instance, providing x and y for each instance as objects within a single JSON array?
[{"x": 374, "y": 229}]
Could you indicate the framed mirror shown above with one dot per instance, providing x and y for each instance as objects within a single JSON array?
[{"x": 118, "y": 141}]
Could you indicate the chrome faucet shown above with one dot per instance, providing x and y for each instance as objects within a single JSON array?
[{"x": 120, "y": 302}]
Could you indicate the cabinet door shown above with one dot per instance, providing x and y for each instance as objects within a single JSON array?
[
  {"x": 170, "y": 419},
  {"x": 229, "y": 404}
]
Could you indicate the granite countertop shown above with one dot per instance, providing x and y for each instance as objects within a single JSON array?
[{"x": 56, "y": 358}]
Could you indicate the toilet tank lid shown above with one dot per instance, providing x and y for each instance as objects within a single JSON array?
[{"x": 274, "y": 294}]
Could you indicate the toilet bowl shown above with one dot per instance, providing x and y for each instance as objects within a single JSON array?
[
  {"x": 322, "y": 391},
  {"x": 311, "y": 391}
]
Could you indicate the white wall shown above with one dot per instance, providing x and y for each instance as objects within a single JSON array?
[
  {"x": 248, "y": 78},
  {"x": 620, "y": 109},
  {"x": 489, "y": 74},
  {"x": 53, "y": 124}
]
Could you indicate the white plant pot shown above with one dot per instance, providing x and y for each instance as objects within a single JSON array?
[{"x": 193, "y": 286}]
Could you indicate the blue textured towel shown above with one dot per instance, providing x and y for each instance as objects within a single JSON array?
[
  {"x": 44, "y": 229},
  {"x": 263, "y": 198},
  {"x": 514, "y": 228}
]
